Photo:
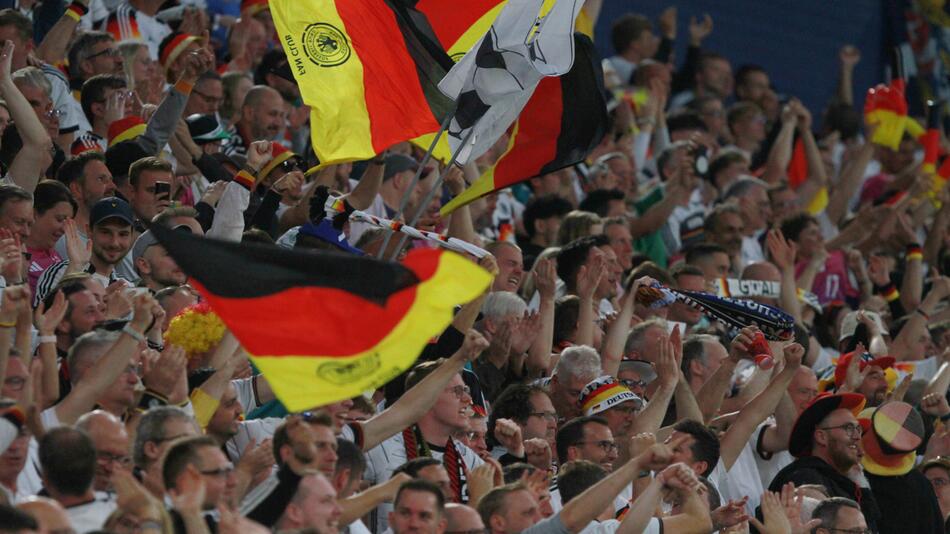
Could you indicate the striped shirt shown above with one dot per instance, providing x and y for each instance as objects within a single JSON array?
[{"x": 51, "y": 277}]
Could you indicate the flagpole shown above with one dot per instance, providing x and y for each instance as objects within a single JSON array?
[
  {"x": 415, "y": 179},
  {"x": 435, "y": 188}
]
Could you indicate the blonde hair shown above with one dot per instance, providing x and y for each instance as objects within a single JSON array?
[{"x": 577, "y": 224}]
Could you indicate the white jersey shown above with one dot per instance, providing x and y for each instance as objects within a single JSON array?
[
  {"x": 384, "y": 458},
  {"x": 741, "y": 480},
  {"x": 610, "y": 526},
  {"x": 768, "y": 468},
  {"x": 90, "y": 516}
]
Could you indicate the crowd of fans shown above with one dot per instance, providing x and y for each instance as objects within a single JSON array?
[{"x": 556, "y": 402}]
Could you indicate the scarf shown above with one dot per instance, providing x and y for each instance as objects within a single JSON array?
[
  {"x": 774, "y": 323},
  {"x": 416, "y": 446}
]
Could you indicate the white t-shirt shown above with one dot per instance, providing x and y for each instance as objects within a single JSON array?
[
  {"x": 768, "y": 468},
  {"x": 384, "y": 458},
  {"x": 90, "y": 516},
  {"x": 611, "y": 525},
  {"x": 253, "y": 431},
  {"x": 740, "y": 481},
  {"x": 751, "y": 250}
]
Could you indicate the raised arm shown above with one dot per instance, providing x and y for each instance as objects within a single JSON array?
[
  {"x": 55, "y": 43},
  {"x": 764, "y": 404},
  {"x": 667, "y": 376},
  {"x": 356, "y": 506},
  {"x": 460, "y": 221},
  {"x": 46, "y": 322},
  {"x": 31, "y": 161},
  {"x": 419, "y": 399},
  {"x": 108, "y": 367},
  {"x": 539, "y": 353},
  {"x": 849, "y": 181},
  {"x": 849, "y": 56},
  {"x": 365, "y": 191},
  {"x": 588, "y": 278},
  {"x": 781, "y": 151}
]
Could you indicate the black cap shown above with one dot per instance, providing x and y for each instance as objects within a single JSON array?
[
  {"x": 206, "y": 129},
  {"x": 108, "y": 208},
  {"x": 121, "y": 156},
  {"x": 396, "y": 163}
]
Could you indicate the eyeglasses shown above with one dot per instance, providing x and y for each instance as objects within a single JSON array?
[
  {"x": 54, "y": 114},
  {"x": 547, "y": 416},
  {"x": 108, "y": 458},
  {"x": 169, "y": 438},
  {"x": 633, "y": 384},
  {"x": 219, "y": 472},
  {"x": 15, "y": 383},
  {"x": 291, "y": 165},
  {"x": 853, "y": 430},
  {"x": 460, "y": 391},
  {"x": 211, "y": 99},
  {"x": 607, "y": 445},
  {"x": 111, "y": 52}
]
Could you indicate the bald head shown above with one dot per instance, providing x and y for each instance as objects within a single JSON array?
[
  {"x": 762, "y": 271},
  {"x": 462, "y": 518},
  {"x": 111, "y": 442},
  {"x": 48, "y": 513},
  {"x": 259, "y": 94},
  {"x": 262, "y": 114}
]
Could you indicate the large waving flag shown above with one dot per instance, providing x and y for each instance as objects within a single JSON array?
[
  {"x": 325, "y": 326},
  {"x": 367, "y": 68},
  {"x": 563, "y": 121},
  {"x": 493, "y": 81}
]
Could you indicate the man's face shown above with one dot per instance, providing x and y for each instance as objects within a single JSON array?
[
  {"x": 417, "y": 512},
  {"x": 566, "y": 392},
  {"x": 784, "y": 203},
  {"x": 85, "y": 312},
  {"x": 15, "y": 379},
  {"x": 754, "y": 87},
  {"x": 684, "y": 453},
  {"x": 225, "y": 421},
  {"x": 475, "y": 438},
  {"x": 803, "y": 388},
  {"x": 110, "y": 94},
  {"x": 622, "y": 243},
  {"x": 621, "y": 418},
  {"x": 757, "y": 208},
  {"x": 95, "y": 184},
  {"x": 218, "y": 475},
  {"x": 43, "y": 107},
  {"x": 894, "y": 161},
  {"x": 633, "y": 380},
  {"x": 145, "y": 202},
  {"x": 714, "y": 266},
  {"x": 651, "y": 344},
  {"x": 598, "y": 446},
  {"x": 452, "y": 408},
  {"x": 111, "y": 240},
  {"x": 874, "y": 387},
  {"x": 111, "y": 442},
  {"x": 161, "y": 267},
  {"x": 724, "y": 178},
  {"x": 325, "y": 444},
  {"x": 320, "y": 510},
  {"x": 543, "y": 424},
  {"x": 440, "y": 477},
  {"x": 172, "y": 430},
  {"x": 104, "y": 58},
  {"x": 713, "y": 116},
  {"x": 751, "y": 127},
  {"x": 205, "y": 98},
  {"x": 608, "y": 284},
  {"x": 510, "y": 269},
  {"x": 17, "y": 217},
  {"x": 685, "y": 313},
  {"x": 715, "y": 354},
  {"x": 810, "y": 240},
  {"x": 728, "y": 233},
  {"x": 520, "y": 512},
  {"x": 849, "y": 520},
  {"x": 717, "y": 77},
  {"x": 122, "y": 392},
  {"x": 13, "y": 460},
  {"x": 339, "y": 413},
  {"x": 267, "y": 118},
  {"x": 21, "y": 49},
  {"x": 940, "y": 480},
  {"x": 844, "y": 449}
]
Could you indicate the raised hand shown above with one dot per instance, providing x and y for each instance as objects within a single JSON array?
[
  {"x": 849, "y": 55},
  {"x": 854, "y": 376},
  {"x": 545, "y": 277},
  {"x": 935, "y": 405},
  {"x": 473, "y": 345},
  {"x": 589, "y": 276},
  {"x": 213, "y": 193},
  {"x": 679, "y": 477},
  {"x": 164, "y": 371},
  {"x": 189, "y": 495},
  {"x": 700, "y": 29},
  {"x": 508, "y": 434},
  {"x": 793, "y": 356},
  {"x": 77, "y": 252},
  {"x": 144, "y": 311},
  {"x": 524, "y": 331},
  {"x": 773, "y": 514},
  {"x": 730, "y": 514},
  {"x": 667, "y": 368},
  {"x": 45, "y": 320},
  {"x": 878, "y": 271},
  {"x": 792, "y": 503},
  {"x": 667, "y": 22},
  {"x": 258, "y": 154},
  {"x": 781, "y": 251},
  {"x": 480, "y": 481},
  {"x": 257, "y": 460},
  {"x": 6, "y": 60},
  {"x": 741, "y": 344},
  {"x": 898, "y": 393},
  {"x": 537, "y": 452},
  {"x": 15, "y": 298}
]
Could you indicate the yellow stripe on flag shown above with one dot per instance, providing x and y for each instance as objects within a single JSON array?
[
  {"x": 485, "y": 183},
  {"x": 457, "y": 280},
  {"x": 339, "y": 120}
]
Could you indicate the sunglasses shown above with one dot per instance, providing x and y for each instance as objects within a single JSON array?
[{"x": 291, "y": 165}]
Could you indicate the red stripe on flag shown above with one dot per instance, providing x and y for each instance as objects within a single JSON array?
[
  {"x": 536, "y": 142},
  {"x": 450, "y": 20},
  {"x": 312, "y": 320},
  {"x": 798, "y": 165},
  {"x": 384, "y": 55}
]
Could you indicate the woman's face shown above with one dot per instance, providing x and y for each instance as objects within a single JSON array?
[
  {"x": 48, "y": 227},
  {"x": 141, "y": 65}
]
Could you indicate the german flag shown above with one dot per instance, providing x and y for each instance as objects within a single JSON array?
[
  {"x": 369, "y": 70},
  {"x": 459, "y": 25},
  {"x": 563, "y": 121},
  {"x": 326, "y": 326}
]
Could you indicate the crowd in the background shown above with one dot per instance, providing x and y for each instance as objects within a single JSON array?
[{"x": 559, "y": 401}]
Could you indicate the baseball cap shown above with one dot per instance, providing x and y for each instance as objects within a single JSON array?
[
  {"x": 604, "y": 393},
  {"x": 108, "y": 208},
  {"x": 325, "y": 231},
  {"x": 144, "y": 241},
  {"x": 841, "y": 368},
  {"x": 206, "y": 129},
  {"x": 397, "y": 163}
]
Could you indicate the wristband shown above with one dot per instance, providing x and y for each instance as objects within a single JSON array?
[
  {"x": 46, "y": 339},
  {"x": 76, "y": 10},
  {"x": 151, "y": 399},
  {"x": 923, "y": 314},
  {"x": 914, "y": 252},
  {"x": 150, "y": 525},
  {"x": 133, "y": 333},
  {"x": 11, "y": 324},
  {"x": 155, "y": 346},
  {"x": 945, "y": 417},
  {"x": 889, "y": 292}
]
